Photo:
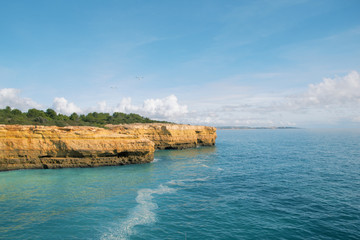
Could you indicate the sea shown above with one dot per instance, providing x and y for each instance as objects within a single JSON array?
[{"x": 254, "y": 184}]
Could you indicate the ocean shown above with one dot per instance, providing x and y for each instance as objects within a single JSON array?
[{"x": 254, "y": 184}]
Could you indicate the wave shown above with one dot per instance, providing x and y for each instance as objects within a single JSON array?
[
  {"x": 142, "y": 214},
  {"x": 216, "y": 168},
  {"x": 155, "y": 160},
  {"x": 183, "y": 182}
]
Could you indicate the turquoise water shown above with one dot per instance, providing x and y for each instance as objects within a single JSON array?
[{"x": 255, "y": 184}]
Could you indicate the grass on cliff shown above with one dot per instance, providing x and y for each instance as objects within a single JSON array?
[{"x": 51, "y": 118}]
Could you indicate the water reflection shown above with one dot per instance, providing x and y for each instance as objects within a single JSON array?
[
  {"x": 191, "y": 152},
  {"x": 188, "y": 162}
]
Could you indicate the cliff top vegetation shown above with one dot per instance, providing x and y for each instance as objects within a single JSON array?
[{"x": 51, "y": 118}]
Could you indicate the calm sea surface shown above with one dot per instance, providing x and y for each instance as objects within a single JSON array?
[{"x": 255, "y": 184}]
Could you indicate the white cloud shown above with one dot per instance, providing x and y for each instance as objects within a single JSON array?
[
  {"x": 164, "y": 108},
  {"x": 339, "y": 91},
  {"x": 61, "y": 105},
  {"x": 356, "y": 119},
  {"x": 161, "y": 108},
  {"x": 332, "y": 101},
  {"x": 10, "y": 97},
  {"x": 126, "y": 106},
  {"x": 103, "y": 107},
  {"x": 100, "y": 107}
]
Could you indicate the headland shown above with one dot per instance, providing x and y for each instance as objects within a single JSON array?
[{"x": 36, "y": 147}]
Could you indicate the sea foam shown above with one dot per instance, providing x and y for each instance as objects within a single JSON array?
[
  {"x": 184, "y": 182},
  {"x": 155, "y": 160},
  {"x": 142, "y": 214}
]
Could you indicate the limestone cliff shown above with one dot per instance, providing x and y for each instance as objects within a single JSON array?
[
  {"x": 170, "y": 136},
  {"x": 57, "y": 147}
]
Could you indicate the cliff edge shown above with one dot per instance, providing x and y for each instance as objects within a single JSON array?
[
  {"x": 24, "y": 147},
  {"x": 170, "y": 136}
]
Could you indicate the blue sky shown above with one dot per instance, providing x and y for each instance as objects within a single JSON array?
[{"x": 256, "y": 63}]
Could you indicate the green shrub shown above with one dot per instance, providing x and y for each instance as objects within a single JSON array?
[{"x": 51, "y": 118}]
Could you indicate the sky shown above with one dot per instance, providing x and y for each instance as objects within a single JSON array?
[{"x": 220, "y": 63}]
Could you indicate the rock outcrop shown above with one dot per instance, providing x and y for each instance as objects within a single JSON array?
[
  {"x": 23, "y": 147},
  {"x": 170, "y": 136},
  {"x": 57, "y": 147}
]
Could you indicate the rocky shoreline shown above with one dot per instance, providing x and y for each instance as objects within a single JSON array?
[{"x": 34, "y": 147}]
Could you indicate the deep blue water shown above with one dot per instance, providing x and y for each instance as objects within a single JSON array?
[{"x": 255, "y": 184}]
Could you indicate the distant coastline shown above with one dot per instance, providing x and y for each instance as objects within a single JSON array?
[{"x": 246, "y": 128}]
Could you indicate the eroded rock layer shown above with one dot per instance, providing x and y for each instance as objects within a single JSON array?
[
  {"x": 57, "y": 147},
  {"x": 170, "y": 136},
  {"x": 23, "y": 147}
]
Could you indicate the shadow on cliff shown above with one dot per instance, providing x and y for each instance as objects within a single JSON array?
[{"x": 191, "y": 152}]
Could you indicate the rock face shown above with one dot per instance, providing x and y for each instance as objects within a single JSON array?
[
  {"x": 57, "y": 147},
  {"x": 23, "y": 147},
  {"x": 170, "y": 136}
]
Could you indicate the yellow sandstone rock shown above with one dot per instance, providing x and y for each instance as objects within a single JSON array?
[
  {"x": 59, "y": 147},
  {"x": 170, "y": 136}
]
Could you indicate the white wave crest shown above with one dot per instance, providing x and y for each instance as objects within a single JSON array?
[
  {"x": 184, "y": 181},
  {"x": 217, "y": 168},
  {"x": 155, "y": 160},
  {"x": 142, "y": 214}
]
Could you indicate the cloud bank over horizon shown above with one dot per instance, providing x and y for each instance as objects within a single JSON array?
[
  {"x": 332, "y": 100},
  {"x": 338, "y": 91},
  {"x": 10, "y": 97},
  {"x": 160, "y": 108}
]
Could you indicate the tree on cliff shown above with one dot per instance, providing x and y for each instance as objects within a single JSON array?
[
  {"x": 51, "y": 118},
  {"x": 74, "y": 117},
  {"x": 51, "y": 113}
]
